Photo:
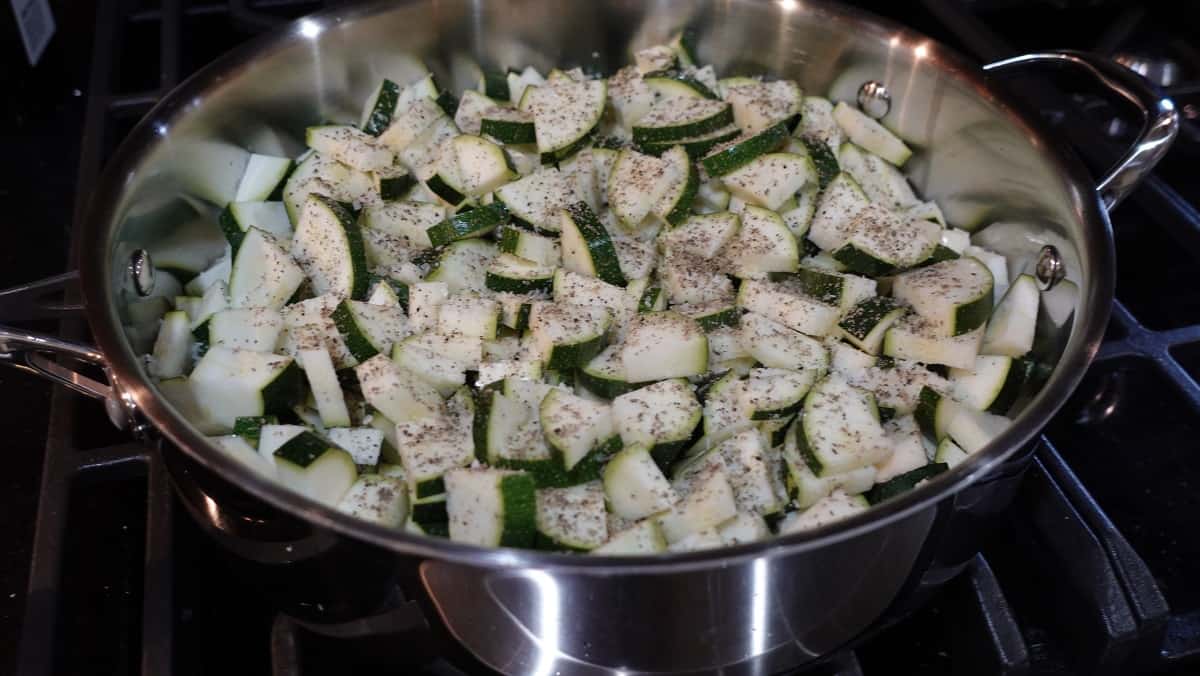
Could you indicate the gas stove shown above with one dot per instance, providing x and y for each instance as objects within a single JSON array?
[{"x": 1093, "y": 571}]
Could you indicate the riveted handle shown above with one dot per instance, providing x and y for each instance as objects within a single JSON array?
[
  {"x": 59, "y": 360},
  {"x": 1160, "y": 119}
]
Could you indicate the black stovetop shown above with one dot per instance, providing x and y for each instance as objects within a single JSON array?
[{"x": 1094, "y": 571}]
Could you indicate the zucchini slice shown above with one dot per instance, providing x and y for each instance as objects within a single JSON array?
[
  {"x": 270, "y": 217},
  {"x": 512, "y": 274},
  {"x": 604, "y": 375},
  {"x": 672, "y": 119},
  {"x": 538, "y": 198},
  {"x": 993, "y": 384},
  {"x": 229, "y": 384},
  {"x": 483, "y": 166},
  {"x": 695, "y": 146},
  {"x": 954, "y": 296},
  {"x": 463, "y": 265},
  {"x": 565, "y": 113},
  {"x": 762, "y": 244},
  {"x": 350, "y": 146},
  {"x": 467, "y": 224},
  {"x": 777, "y": 346},
  {"x": 369, "y": 329},
  {"x": 572, "y": 518},
  {"x": 758, "y": 105},
  {"x": 669, "y": 84},
  {"x": 491, "y": 507},
  {"x": 881, "y": 242},
  {"x": 531, "y": 246},
  {"x": 636, "y": 184},
  {"x": 408, "y": 220},
  {"x": 397, "y": 393},
  {"x": 587, "y": 247},
  {"x": 326, "y": 390},
  {"x": 574, "y": 426},
  {"x": 643, "y": 537},
  {"x": 660, "y": 416},
  {"x": 676, "y": 203},
  {"x": 1010, "y": 331},
  {"x": 834, "y": 288},
  {"x": 770, "y": 180},
  {"x": 634, "y": 485},
  {"x": 263, "y": 274},
  {"x": 702, "y": 235},
  {"x": 315, "y": 468},
  {"x": 786, "y": 304},
  {"x": 832, "y": 222},
  {"x": 568, "y": 336},
  {"x": 735, "y": 154},
  {"x": 865, "y": 325},
  {"x": 377, "y": 498},
  {"x": 772, "y": 393},
  {"x": 839, "y": 428},
  {"x": 912, "y": 337},
  {"x": 834, "y": 507},
  {"x": 708, "y": 502},
  {"x": 263, "y": 178},
  {"x": 660, "y": 345},
  {"x": 329, "y": 247},
  {"x": 870, "y": 135}
]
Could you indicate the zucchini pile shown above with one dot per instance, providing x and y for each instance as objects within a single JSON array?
[{"x": 658, "y": 311}]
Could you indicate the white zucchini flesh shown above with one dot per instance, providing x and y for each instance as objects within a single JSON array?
[
  {"x": 173, "y": 346},
  {"x": 644, "y": 537},
  {"x": 1010, "y": 331},
  {"x": 327, "y": 391},
  {"x": 661, "y": 345},
  {"x": 788, "y": 306},
  {"x": 398, "y": 394},
  {"x": 574, "y": 425},
  {"x": 240, "y": 449},
  {"x": 323, "y": 247},
  {"x": 840, "y": 428},
  {"x": 538, "y": 197},
  {"x": 832, "y": 222},
  {"x": 870, "y": 135},
  {"x": 364, "y": 444},
  {"x": 262, "y": 273},
  {"x": 637, "y": 183},
  {"x": 742, "y": 528},
  {"x": 763, "y": 244},
  {"x": 635, "y": 487},
  {"x": 262, "y": 175},
  {"x": 253, "y": 328},
  {"x": 908, "y": 449},
  {"x": 778, "y": 346},
  {"x": 377, "y": 498},
  {"x": 972, "y": 430},
  {"x": 702, "y": 235},
  {"x": 229, "y": 384},
  {"x": 770, "y": 180},
  {"x": 487, "y": 506},
  {"x": 707, "y": 503},
  {"x": 573, "y": 516},
  {"x": 914, "y": 338},
  {"x": 837, "y": 506}
]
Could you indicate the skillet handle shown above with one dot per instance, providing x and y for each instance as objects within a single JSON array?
[
  {"x": 1160, "y": 119},
  {"x": 36, "y": 353}
]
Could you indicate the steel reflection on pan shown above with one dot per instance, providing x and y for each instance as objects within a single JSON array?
[
  {"x": 1104, "y": 401},
  {"x": 549, "y": 617}
]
